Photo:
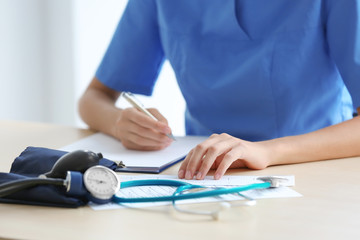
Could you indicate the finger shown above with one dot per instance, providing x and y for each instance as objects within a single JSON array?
[
  {"x": 229, "y": 158},
  {"x": 141, "y": 124},
  {"x": 199, "y": 153},
  {"x": 194, "y": 161},
  {"x": 213, "y": 153},
  {"x": 134, "y": 136},
  {"x": 162, "y": 119},
  {"x": 182, "y": 169},
  {"x": 158, "y": 115},
  {"x": 148, "y": 122},
  {"x": 128, "y": 130},
  {"x": 134, "y": 146},
  {"x": 140, "y": 140},
  {"x": 147, "y": 133}
]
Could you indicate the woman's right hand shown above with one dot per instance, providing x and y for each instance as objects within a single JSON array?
[{"x": 138, "y": 131}]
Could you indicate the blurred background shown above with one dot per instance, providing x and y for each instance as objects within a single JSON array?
[{"x": 49, "y": 52}]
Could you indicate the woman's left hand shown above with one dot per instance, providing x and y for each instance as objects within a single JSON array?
[{"x": 221, "y": 152}]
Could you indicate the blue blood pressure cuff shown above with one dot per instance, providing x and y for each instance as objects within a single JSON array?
[{"x": 32, "y": 162}]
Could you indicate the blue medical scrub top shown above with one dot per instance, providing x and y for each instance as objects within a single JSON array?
[{"x": 254, "y": 69}]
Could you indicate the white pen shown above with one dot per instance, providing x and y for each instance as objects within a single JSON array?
[{"x": 139, "y": 106}]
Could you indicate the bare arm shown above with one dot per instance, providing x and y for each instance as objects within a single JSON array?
[
  {"x": 97, "y": 107},
  {"x": 337, "y": 141},
  {"x": 223, "y": 151},
  {"x": 135, "y": 129}
]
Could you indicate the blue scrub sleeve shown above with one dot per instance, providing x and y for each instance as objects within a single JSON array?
[
  {"x": 135, "y": 55},
  {"x": 343, "y": 33}
]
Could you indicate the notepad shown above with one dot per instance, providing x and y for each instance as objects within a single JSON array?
[{"x": 137, "y": 161}]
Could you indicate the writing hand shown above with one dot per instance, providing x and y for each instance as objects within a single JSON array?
[{"x": 138, "y": 131}]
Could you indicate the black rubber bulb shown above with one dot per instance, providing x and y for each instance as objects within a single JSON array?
[{"x": 78, "y": 161}]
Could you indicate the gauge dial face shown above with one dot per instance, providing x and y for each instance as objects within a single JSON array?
[{"x": 101, "y": 182}]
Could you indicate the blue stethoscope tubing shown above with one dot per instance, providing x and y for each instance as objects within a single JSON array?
[{"x": 181, "y": 186}]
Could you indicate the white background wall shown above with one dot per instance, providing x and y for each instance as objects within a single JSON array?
[{"x": 49, "y": 51}]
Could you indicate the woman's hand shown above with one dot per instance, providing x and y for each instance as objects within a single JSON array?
[
  {"x": 222, "y": 152},
  {"x": 138, "y": 131}
]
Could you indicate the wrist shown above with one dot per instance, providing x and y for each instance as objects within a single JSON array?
[
  {"x": 279, "y": 151},
  {"x": 115, "y": 123}
]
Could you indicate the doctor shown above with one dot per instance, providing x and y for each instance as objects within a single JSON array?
[{"x": 269, "y": 83}]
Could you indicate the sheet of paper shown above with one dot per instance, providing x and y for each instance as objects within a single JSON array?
[
  {"x": 209, "y": 180},
  {"x": 113, "y": 149},
  {"x": 226, "y": 181}
]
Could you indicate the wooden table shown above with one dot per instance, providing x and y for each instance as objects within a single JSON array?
[{"x": 329, "y": 208}]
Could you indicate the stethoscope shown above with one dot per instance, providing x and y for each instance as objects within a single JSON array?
[{"x": 81, "y": 175}]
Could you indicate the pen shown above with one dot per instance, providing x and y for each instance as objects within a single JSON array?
[{"x": 138, "y": 105}]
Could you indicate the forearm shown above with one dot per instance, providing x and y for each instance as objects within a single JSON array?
[
  {"x": 98, "y": 110},
  {"x": 337, "y": 141}
]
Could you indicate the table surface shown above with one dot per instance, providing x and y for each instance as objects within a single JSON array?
[{"x": 329, "y": 208}]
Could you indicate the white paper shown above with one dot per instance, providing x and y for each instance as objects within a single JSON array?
[
  {"x": 112, "y": 149},
  {"x": 209, "y": 180},
  {"x": 225, "y": 181}
]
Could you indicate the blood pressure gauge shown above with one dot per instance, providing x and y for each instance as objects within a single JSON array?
[{"x": 101, "y": 182}]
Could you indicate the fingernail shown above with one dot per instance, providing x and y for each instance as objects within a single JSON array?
[
  {"x": 181, "y": 174},
  {"x": 199, "y": 175},
  {"x": 167, "y": 130},
  {"x": 188, "y": 175},
  {"x": 217, "y": 176}
]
